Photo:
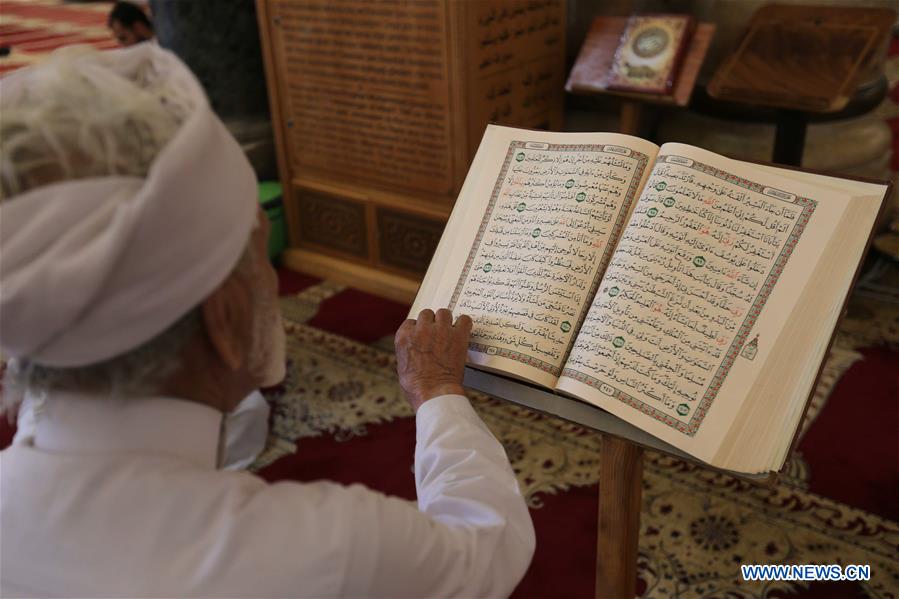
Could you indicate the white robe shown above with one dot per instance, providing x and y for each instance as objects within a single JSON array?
[{"x": 124, "y": 499}]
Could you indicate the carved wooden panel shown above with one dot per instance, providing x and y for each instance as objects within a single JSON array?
[
  {"x": 407, "y": 241},
  {"x": 366, "y": 90},
  {"x": 333, "y": 223},
  {"x": 516, "y": 64},
  {"x": 378, "y": 107}
]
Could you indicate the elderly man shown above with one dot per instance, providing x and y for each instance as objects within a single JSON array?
[
  {"x": 129, "y": 24},
  {"x": 138, "y": 309}
]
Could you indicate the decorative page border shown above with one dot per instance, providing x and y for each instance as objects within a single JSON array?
[
  {"x": 692, "y": 426},
  {"x": 528, "y": 360}
]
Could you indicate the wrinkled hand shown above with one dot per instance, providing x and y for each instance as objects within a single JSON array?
[{"x": 430, "y": 355}]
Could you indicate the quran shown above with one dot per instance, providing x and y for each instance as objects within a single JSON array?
[
  {"x": 650, "y": 52},
  {"x": 691, "y": 295}
]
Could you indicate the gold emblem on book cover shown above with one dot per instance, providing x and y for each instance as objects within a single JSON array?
[{"x": 651, "y": 42}]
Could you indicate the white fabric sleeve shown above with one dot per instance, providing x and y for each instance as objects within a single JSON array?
[{"x": 472, "y": 535}]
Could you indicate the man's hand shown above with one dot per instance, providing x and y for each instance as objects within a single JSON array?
[{"x": 430, "y": 355}]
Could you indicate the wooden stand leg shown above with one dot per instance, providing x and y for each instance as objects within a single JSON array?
[
  {"x": 631, "y": 112},
  {"x": 620, "y": 490},
  {"x": 789, "y": 138}
]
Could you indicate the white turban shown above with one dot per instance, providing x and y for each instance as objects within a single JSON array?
[{"x": 91, "y": 268}]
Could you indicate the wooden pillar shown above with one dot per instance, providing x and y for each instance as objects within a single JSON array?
[
  {"x": 631, "y": 113},
  {"x": 620, "y": 490}
]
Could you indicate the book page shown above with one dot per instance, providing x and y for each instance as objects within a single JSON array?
[
  {"x": 767, "y": 423},
  {"x": 525, "y": 248},
  {"x": 708, "y": 269}
]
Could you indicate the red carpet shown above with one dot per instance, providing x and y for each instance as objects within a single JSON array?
[{"x": 852, "y": 449}]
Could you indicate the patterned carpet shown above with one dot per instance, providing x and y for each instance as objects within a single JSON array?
[{"x": 340, "y": 415}]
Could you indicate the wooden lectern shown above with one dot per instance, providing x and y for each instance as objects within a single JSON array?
[
  {"x": 621, "y": 462},
  {"x": 801, "y": 64},
  {"x": 595, "y": 60}
]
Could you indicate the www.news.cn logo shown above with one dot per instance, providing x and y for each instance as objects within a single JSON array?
[{"x": 805, "y": 572}]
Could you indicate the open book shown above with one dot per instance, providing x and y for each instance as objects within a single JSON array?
[{"x": 692, "y": 295}]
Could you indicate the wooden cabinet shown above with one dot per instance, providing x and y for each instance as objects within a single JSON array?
[{"x": 378, "y": 107}]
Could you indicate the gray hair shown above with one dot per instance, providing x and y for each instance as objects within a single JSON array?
[
  {"x": 66, "y": 128},
  {"x": 140, "y": 371},
  {"x": 137, "y": 372}
]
